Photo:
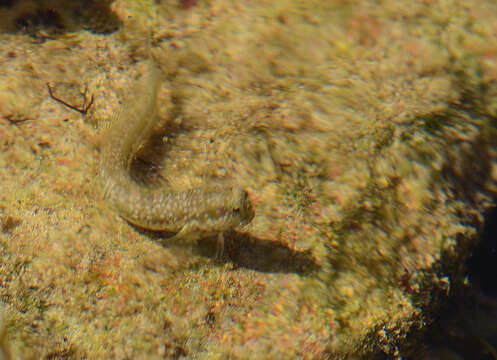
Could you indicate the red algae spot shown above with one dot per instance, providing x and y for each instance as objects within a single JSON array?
[{"x": 187, "y": 4}]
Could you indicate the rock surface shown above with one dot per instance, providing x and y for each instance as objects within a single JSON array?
[{"x": 365, "y": 135}]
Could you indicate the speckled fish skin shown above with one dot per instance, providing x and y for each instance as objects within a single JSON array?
[{"x": 193, "y": 213}]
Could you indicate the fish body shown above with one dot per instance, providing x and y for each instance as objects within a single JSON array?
[{"x": 193, "y": 213}]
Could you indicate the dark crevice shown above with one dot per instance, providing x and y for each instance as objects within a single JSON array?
[
  {"x": 466, "y": 326},
  {"x": 482, "y": 266},
  {"x": 50, "y": 18},
  {"x": 6, "y": 3}
]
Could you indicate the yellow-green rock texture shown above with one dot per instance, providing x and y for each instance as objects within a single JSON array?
[{"x": 364, "y": 132}]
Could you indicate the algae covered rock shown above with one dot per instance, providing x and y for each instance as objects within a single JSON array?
[
  {"x": 364, "y": 134},
  {"x": 4, "y": 347}
]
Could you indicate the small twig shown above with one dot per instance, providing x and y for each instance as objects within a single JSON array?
[
  {"x": 82, "y": 109},
  {"x": 15, "y": 121}
]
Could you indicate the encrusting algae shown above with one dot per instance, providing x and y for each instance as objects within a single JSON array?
[
  {"x": 193, "y": 213},
  {"x": 4, "y": 348},
  {"x": 353, "y": 126}
]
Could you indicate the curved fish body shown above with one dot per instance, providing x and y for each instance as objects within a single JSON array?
[{"x": 191, "y": 214}]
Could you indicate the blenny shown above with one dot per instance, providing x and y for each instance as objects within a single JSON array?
[{"x": 191, "y": 214}]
